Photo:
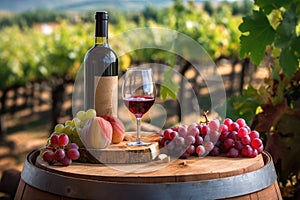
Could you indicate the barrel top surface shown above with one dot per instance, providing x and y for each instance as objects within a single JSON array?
[
  {"x": 216, "y": 177},
  {"x": 191, "y": 169}
]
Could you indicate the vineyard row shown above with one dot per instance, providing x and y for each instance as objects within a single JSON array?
[{"x": 54, "y": 95}]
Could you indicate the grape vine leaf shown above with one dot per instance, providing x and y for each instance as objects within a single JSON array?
[
  {"x": 287, "y": 39},
  {"x": 288, "y": 61},
  {"x": 295, "y": 46},
  {"x": 286, "y": 32},
  {"x": 257, "y": 33},
  {"x": 268, "y": 5},
  {"x": 244, "y": 105},
  {"x": 168, "y": 88}
]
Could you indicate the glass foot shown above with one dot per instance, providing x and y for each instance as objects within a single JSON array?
[{"x": 138, "y": 143}]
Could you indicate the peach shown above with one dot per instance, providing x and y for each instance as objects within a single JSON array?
[
  {"x": 97, "y": 133},
  {"x": 118, "y": 128}
]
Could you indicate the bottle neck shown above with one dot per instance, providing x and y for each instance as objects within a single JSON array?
[
  {"x": 101, "y": 29},
  {"x": 101, "y": 40}
]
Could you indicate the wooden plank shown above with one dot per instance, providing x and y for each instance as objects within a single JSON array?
[
  {"x": 122, "y": 153},
  {"x": 31, "y": 193},
  {"x": 194, "y": 169},
  {"x": 20, "y": 190}
]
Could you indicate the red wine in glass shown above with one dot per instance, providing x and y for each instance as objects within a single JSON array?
[
  {"x": 139, "y": 105},
  {"x": 138, "y": 91}
]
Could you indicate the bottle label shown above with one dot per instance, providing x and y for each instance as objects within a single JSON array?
[{"x": 106, "y": 95}]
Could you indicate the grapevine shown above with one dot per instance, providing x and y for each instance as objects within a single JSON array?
[{"x": 270, "y": 37}]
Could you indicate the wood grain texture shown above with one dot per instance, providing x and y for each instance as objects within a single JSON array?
[
  {"x": 178, "y": 171},
  {"x": 194, "y": 169},
  {"x": 122, "y": 153}
]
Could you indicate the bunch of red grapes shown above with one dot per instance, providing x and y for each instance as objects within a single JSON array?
[
  {"x": 59, "y": 150},
  {"x": 231, "y": 138}
]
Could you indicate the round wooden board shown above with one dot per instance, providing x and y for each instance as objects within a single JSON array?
[
  {"x": 192, "y": 169},
  {"x": 121, "y": 153}
]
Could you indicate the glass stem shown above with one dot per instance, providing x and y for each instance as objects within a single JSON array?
[{"x": 138, "y": 131}]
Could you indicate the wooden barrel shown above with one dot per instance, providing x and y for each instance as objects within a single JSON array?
[{"x": 194, "y": 178}]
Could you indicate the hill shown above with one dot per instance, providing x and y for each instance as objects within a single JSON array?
[{"x": 78, "y": 5}]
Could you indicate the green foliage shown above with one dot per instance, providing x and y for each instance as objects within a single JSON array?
[
  {"x": 238, "y": 7},
  {"x": 67, "y": 47},
  {"x": 217, "y": 33},
  {"x": 28, "y": 54},
  {"x": 272, "y": 30},
  {"x": 29, "y": 18},
  {"x": 151, "y": 13},
  {"x": 244, "y": 106},
  {"x": 257, "y": 34},
  {"x": 19, "y": 56},
  {"x": 208, "y": 7},
  {"x": 169, "y": 88},
  {"x": 268, "y": 5},
  {"x": 289, "y": 41}
]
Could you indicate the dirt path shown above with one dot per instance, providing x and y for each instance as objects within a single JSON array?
[{"x": 12, "y": 156}]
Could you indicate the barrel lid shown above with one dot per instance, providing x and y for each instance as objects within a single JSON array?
[{"x": 220, "y": 188}]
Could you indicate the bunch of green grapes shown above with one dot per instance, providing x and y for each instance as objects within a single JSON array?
[{"x": 73, "y": 127}]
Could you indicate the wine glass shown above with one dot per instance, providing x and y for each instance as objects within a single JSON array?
[{"x": 138, "y": 92}]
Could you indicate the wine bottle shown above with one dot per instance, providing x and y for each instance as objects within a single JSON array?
[{"x": 101, "y": 71}]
